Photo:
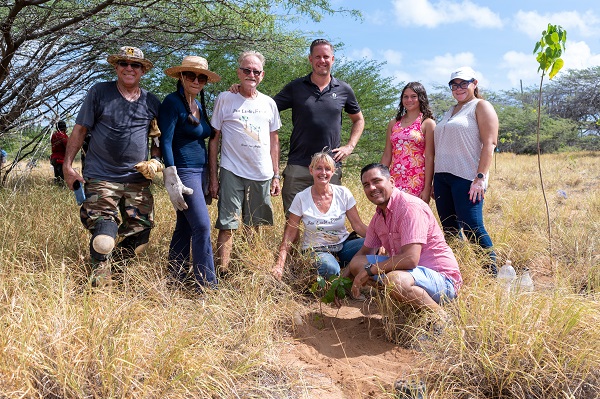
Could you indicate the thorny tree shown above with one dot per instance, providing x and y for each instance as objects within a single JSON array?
[{"x": 51, "y": 51}]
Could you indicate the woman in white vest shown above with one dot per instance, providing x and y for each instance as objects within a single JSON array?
[{"x": 464, "y": 142}]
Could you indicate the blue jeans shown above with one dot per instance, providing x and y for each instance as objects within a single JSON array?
[
  {"x": 457, "y": 213},
  {"x": 192, "y": 233},
  {"x": 327, "y": 264}
]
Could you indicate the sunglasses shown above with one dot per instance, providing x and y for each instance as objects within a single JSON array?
[
  {"x": 191, "y": 76},
  {"x": 247, "y": 71},
  {"x": 463, "y": 85},
  {"x": 133, "y": 65}
]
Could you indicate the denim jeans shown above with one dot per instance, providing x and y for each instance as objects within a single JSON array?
[
  {"x": 327, "y": 264},
  {"x": 192, "y": 233},
  {"x": 457, "y": 213}
]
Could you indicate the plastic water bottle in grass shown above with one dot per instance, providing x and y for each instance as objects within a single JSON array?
[
  {"x": 525, "y": 282},
  {"x": 507, "y": 275}
]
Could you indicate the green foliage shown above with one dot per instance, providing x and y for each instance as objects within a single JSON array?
[
  {"x": 551, "y": 47},
  {"x": 65, "y": 43},
  {"x": 518, "y": 125},
  {"x": 378, "y": 97},
  {"x": 334, "y": 287}
]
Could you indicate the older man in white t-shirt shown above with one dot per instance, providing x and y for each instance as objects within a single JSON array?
[{"x": 246, "y": 126}]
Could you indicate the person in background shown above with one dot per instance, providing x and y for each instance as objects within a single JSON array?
[
  {"x": 84, "y": 150},
  {"x": 59, "y": 142},
  {"x": 420, "y": 268},
  {"x": 464, "y": 142},
  {"x": 323, "y": 208},
  {"x": 184, "y": 127},
  {"x": 3, "y": 158},
  {"x": 117, "y": 115},
  {"x": 409, "y": 143},
  {"x": 246, "y": 127}
]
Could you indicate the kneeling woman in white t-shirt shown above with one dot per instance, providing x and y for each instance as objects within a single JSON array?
[{"x": 323, "y": 208}]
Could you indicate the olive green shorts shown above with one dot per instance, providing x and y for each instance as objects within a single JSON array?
[{"x": 243, "y": 200}]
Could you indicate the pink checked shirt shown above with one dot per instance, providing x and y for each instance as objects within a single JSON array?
[{"x": 410, "y": 221}]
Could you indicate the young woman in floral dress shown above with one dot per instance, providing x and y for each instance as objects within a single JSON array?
[{"x": 409, "y": 149}]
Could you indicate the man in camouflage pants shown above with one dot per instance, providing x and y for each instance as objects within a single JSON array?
[{"x": 117, "y": 115}]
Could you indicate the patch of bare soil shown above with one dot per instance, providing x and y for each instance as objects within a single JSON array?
[{"x": 344, "y": 353}]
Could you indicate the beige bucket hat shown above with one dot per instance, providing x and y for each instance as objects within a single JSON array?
[{"x": 195, "y": 64}]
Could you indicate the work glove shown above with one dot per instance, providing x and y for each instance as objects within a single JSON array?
[
  {"x": 154, "y": 132},
  {"x": 149, "y": 168},
  {"x": 175, "y": 188}
]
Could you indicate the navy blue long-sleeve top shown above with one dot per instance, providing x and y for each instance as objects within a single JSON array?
[{"x": 182, "y": 144}]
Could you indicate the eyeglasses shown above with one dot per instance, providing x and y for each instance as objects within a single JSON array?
[
  {"x": 191, "y": 76},
  {"x": 463, "y": 85},
  {"x": 133, "y": 65},
  {"x": 247, "y": 71}
]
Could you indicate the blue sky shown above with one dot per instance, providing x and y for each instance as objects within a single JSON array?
[{"x": 424, "y": 40}]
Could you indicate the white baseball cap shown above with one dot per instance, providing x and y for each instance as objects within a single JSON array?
[{"x": 464, "y": 73}]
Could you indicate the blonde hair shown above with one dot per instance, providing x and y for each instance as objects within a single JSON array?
[{"x": 322, "y": 157}]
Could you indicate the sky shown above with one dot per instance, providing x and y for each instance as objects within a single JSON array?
[{"x": 425, "y": 40}]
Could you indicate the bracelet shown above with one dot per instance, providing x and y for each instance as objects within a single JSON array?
[{"x": 276, "y": 176}]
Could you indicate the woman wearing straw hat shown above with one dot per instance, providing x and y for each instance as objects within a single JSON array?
[{"x": 184, "y": 126}]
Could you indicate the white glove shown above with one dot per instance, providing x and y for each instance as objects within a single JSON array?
[{"x": 175, "y": 188}]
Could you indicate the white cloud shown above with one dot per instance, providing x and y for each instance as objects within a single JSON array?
[
  {"x": 579, "y": 56},
  {"x": 392, "y": 57},
  {"x": 377, "y": 17},
  {"x": 440, "y": 67},
  {"x": 426, "y": 13},
  {"x": 532, "y": 23},
  {"x": 364, "y": 52},
  {"x": 520, "y": 67}
]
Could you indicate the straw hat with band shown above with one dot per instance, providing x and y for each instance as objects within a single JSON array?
[
  {"x": 131, "y": 54},
  {"x": 192, "y": 63}
]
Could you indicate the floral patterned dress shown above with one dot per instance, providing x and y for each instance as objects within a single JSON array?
[{"x": 408, "y": 157}]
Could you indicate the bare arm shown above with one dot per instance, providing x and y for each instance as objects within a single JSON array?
[
  {"x": 275, "y": 183},
  {"x": 386, "y": 157},
  {"x": 73, "y": 146},
  {"x": 355, "y": 221},
  {"x": 213, "y": 151},
  {"x": 428, "y": 128},
  {"x": 407, "y": 259},
  {"x": 289, "y": 234},
  {"x": 487, "y": 121},
  {"x": 358, "y": 124}
]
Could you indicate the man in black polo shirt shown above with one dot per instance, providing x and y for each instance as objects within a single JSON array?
[{"x": 317, "y": 101}]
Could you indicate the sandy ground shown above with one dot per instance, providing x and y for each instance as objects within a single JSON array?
[{"x": 344, "y": 353}]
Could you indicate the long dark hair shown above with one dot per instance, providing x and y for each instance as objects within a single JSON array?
[
  {"x": 419, "y": 89},
  {"x": 191, "y": 118}
]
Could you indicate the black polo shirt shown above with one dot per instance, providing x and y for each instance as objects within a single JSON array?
[{"x": 316, "y": 115}]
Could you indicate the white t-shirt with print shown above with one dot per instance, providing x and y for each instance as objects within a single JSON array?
[
  {"x": 246, "y": 125},
  {"x": 323, "y": 228}
]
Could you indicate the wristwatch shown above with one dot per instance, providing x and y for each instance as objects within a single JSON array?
[
  {"x": 276, "y": 176},
  {"x": 480, "y": 175},
  {"x": 368, "y": 269}
]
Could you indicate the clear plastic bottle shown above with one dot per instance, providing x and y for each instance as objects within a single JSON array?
[
  {"x": 507, "y": 275},
  {"x": 525, "y": 282}
]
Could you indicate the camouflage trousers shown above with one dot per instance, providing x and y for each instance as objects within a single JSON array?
[{"x": 129, "y": 205}]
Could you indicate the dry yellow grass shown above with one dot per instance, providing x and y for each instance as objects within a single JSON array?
[{"x": 60, "y": 338}]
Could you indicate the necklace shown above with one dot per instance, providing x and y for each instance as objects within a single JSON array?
[
  {"x": 129, "y": 97},
  {"x": 321, "y": 199}
]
